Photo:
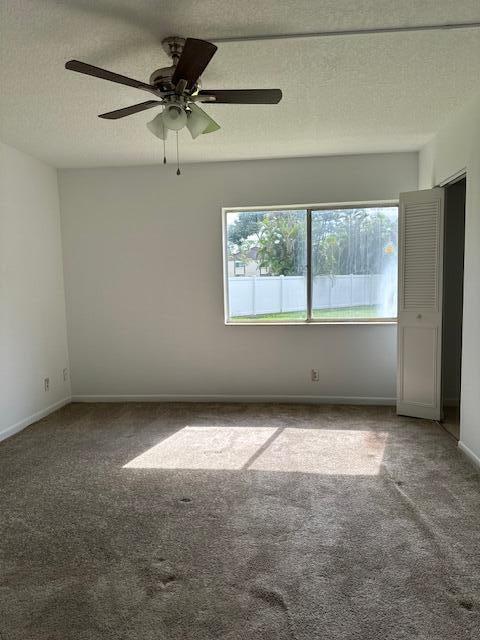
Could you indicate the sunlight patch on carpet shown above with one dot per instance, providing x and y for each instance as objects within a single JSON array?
[
  {"x": 204, "y": 448},
  {"x": 290, "y": 450},
  {"x": 324, "y": 451}
]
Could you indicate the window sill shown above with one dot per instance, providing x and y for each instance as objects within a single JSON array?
[{"x": 305, "y": 323}]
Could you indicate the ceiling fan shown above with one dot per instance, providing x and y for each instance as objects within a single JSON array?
[{"x": 177, "y": 89}]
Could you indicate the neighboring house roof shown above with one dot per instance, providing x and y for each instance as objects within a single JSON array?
[{"x": 252, "y": 253}]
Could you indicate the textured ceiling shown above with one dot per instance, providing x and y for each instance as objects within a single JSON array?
[{"x": 357, "y": 94}]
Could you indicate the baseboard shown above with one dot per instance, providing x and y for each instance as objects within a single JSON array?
[
  {"x": 26, "y": 422},
  {"x": 300, "y": 399},
  {"x": 469, "y": 453}
]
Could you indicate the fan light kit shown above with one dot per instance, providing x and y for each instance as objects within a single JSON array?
[{"x": 177, "y": 89}]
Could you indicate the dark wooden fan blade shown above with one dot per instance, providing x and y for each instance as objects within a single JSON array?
[
  {"x": 128, "y": 111},
  {"x": 195, "y": 56},
  {"x": 90, "y": 70},
  {"x": 241, "y": 96}
]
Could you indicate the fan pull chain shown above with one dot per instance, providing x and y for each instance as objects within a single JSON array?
[
  {"x": 178, "y": 161},
  {"x": 164, "y": 152}
]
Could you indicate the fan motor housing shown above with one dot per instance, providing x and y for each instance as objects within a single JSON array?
[{"x": 162, "y": 78}]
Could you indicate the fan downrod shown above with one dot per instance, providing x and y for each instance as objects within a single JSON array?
[
  {"x": 173, "y": 47},
  {"x": 161, "y": 78}
]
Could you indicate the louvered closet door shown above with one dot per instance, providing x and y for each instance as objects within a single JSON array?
[{"x": 420, "y": 271}]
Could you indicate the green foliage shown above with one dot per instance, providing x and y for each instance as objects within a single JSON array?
[
  {"x": 281, "y": 245},
  {"x": 351, "y": 241},
  {"x": 244, "y": 234},
  {"x": 348, "y": 241},
  {"x": 247, "y": 224}
]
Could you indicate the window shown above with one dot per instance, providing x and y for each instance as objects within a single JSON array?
[
  {"x": 317, "y": 264},
  {"x": 239, "y": 268}
]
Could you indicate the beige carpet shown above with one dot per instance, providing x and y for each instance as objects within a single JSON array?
[{"x": 235, "y": 522}]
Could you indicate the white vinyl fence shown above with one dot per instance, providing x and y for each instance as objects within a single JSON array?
[{"x": 250, "y": 296}]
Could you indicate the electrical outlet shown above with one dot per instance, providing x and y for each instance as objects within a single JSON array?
[
  {"x": 314, "y": 375},
  {"x": 46, "y": 384},
  {"x": 65, "y": 375}
]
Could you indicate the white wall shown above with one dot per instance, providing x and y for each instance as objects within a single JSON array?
[
  {"x": 33, "y": 342},
  {"x": 144, "y": 282},
  {"x": 457, "y": 147}
]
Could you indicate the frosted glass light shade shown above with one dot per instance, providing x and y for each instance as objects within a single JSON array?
[
  {"x": 157, "y": 127},
  {"x": 174, "y": 117},
  {"x": 200, "y": 122}
]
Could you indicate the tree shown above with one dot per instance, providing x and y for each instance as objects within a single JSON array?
[
  {"x": 243, "y": 234},
  {"x": 351, "y": 241},
  {"x": 248, "y": 223},
  {"x": 281, "y": 246},
  {"x": 344, "y": 241}
]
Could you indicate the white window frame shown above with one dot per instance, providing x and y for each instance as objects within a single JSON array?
[{"x": 308, "y": 208}]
